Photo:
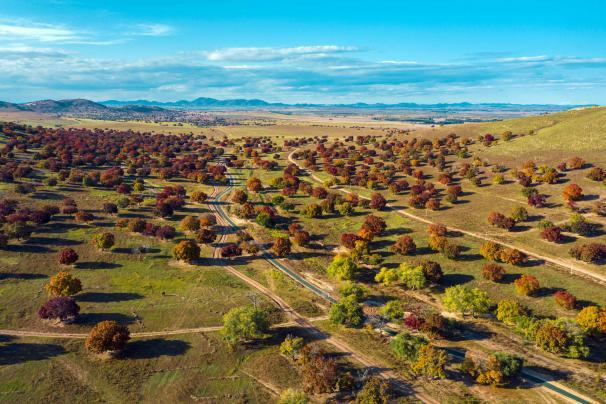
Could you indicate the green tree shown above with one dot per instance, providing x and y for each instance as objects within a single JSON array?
[
  {"x": 412, "y": 277},
  {"x": 406, "y": 346},
  {"x": 350, "y": 288},
  {"x": 291, "y": 347},
  {"x": 466, "y": 300},
  {"x": 375, "y": 391},
  {"x": 347, "y": 311},
  {"x": 244, "y": 323},
  {"x": 342, "y": 267}
]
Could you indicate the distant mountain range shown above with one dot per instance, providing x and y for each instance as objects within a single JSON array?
[
  {"x": 74, "y": 106},
  {"x": 213, "y": 103},
  {"x": 83, "y": 106}
]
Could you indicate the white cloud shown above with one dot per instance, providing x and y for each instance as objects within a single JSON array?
[
  {"x": 37, "y": 32},
  {"x": 153, "y": 30},
  {"x": 271, "y": 54}
]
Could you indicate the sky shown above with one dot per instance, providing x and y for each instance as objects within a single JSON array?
[{"x": 430, "y": 51}]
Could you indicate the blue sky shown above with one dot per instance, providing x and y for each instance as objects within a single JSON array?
[{"x": 305, "y": 51}]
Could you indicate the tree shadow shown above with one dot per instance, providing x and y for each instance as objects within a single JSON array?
[
  {"x": 15, "y": 353},
  {"x": 154, "y": 348},
  {"x": 94, "y": 318},
  {"x": 100, "y": 297},
  {"x": 64, "y": 242},
  {"x": 97, "y": 265},
  {"x": 25, "y": 276},
  {"x": 27, "y": 248},
  {"x": 456, "y": 279}
]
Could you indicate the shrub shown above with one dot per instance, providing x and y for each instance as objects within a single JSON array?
[
  {"x": 292, "y": 396},
  {"x": 67, "y": 256},
  {"x": 346, "y": 311},
  {"x": 526, "y": 285},
  {"x": 205, "y": 236},
  {"x": 186, "y": 250},
  {"x": 61, "y": 307},
  {"x": 493, "y": 272},
  {"x": 565, "y": 299},
  {"x": 107, "y": 336},
  {"x": 110, "y": 208},
  {"x": 404, "y": 245},
  {"x": 63, "y": 284},
  {"x": 291, "y": 347},
  {"x": 82, "y": 216},
  {"x": 281, "y": 247},
  {"x": 103, "y": 241}
]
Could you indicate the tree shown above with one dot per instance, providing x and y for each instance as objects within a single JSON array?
[
  {"x": 244, "y": 323},
  {"x": 281, "y": 247},
  {"x": 592, "y": 319},
  {"x": 375, "y": 391},
  {"x": 437, "y": 229},
  {"x": 552, "y": 234},
  {"x": 348, "y": 240},
  {"x": 350, "y": 288},
  {"x": 186, "y": 250},
  {"x": 291, "y": 347},
  {"x": 136, "y": 225},
  {"x": 189, "y": 223},
  {"x": 432, "y": 271},
  {"x": 198, "y": 196},
  {"x": 572, "y": 192},
  {"x": 342, "y": 267},
  {"x": 253, "y": 184},
  {"x": 387, "y": 276},
  {"x": 430, "y": 362},
  {"x": 493, "y": 272},
  {"x": 499, "y": 220},
  {"x": 374, "y": 224},
  {"x": 526, "y": 285},
  {"x": 565, "y": 299},
  {"x": 63, "y": 284},
  {"x": 62, "y": 308},
  {"x": 466, "y": 300},
  {"x": 230, "y": 250},
  {"x": 406, "y": 346},
  {"x": 239, "y": 196},
  {"x": 412, "y": 277},
  {"x": 205, "y": 236},
  {"x": 377, "y": 201},
  {"x": 508, "y": 310},
  {"x": 292, "y": 396},
  {"x": 165, "y": 232},
  {"x": 519, "y": 214},
  {"x": 404, "y": 245},
  {"x": 551, "y": 337},
  {"x": 319, "y": 372},
  {"x": 207, "y": 220},
  {"x": 346, "y": 311},
  {"x": 591, "y": 253},
  {"x": 302, "y": 238},
  {"x": 67, "y": 256},
  {"x": 110, "y": 208},
  {"x": 312, "y": 211},
  {"x": 513, "y": 256},
  {"x": 107, "y": 336},
  {"x": 103, "y": 241}
]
